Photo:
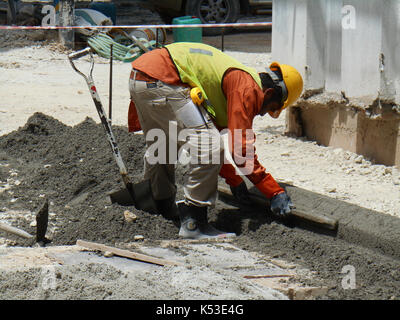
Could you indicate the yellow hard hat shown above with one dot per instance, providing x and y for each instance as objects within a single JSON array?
[{"x": 293, "y": 83}]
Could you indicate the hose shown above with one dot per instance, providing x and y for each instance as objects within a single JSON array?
[{"x": 101, "y": 43}]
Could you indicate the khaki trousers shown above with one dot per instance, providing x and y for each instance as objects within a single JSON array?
[{"x": 158, "y": 106}]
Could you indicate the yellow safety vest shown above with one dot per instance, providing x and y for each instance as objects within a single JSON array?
[{"x": 203, "y": 66}]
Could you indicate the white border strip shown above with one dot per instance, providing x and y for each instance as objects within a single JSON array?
[{"x": 155, "y": 26}]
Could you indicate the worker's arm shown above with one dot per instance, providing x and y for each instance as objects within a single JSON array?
[{"x": 244, "y": 100}]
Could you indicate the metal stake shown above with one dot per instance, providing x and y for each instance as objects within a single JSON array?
[{"x": 110, "y": 88}]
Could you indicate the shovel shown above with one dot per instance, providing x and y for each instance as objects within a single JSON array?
[{"x": 139, "y": 194}]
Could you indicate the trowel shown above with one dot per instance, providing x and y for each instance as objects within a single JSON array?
[{"x": 138, "y": 194}]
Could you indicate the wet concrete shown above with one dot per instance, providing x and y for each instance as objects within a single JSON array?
[
  {"x": 70, "y": 273},
  {"x": 74, "y": 168}
]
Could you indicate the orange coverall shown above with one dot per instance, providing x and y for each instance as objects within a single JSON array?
[{"x": 244, "y": 101}]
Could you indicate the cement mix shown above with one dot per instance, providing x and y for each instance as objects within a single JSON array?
[
  {"x": 73, "y": 167},
  {"x": 67, "y": 272}
]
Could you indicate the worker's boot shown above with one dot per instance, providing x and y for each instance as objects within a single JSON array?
[{"x": 194, "y": 224}]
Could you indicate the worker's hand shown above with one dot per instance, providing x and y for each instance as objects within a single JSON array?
[
  {"x": 281, "y": 205},
  {"x": 241, "y": 194}
]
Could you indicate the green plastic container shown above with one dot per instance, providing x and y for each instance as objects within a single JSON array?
[{"x": 187, "y": 34}]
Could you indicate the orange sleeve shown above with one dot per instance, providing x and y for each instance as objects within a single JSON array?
[{"x": 244, "y": 101}]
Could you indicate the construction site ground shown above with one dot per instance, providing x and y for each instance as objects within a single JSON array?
[{"x": 53, "y": 147}]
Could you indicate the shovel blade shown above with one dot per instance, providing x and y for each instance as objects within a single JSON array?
[
  {"x": 122, "y": 197},
  {"x": 141, "y": 197}
]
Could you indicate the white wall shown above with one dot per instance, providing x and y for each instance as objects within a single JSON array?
[{"x": 339, "y": 50}]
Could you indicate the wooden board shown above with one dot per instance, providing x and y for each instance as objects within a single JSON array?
[
  {"x": 321, "y": 221},
  {"x": 14, "y": 230},
  {"x": 126, "y": 253}
]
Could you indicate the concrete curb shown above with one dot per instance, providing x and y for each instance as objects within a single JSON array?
[{"x": 360, "y": 226}]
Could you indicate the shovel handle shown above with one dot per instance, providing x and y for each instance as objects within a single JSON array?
[
  {"x": 79, "y": 54},
  {"x": 100, "y": 110}
]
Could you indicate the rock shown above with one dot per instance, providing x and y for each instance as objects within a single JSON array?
[
  {"x": 331, "y": 190},
  {"x": 138, "y": 238},
  {"x": 108, "y": 254},
  {"x": 337, "y": 151},
  {"x": 388, "y": 170},
  {"x": 359, "y": 159},
  {"x": 129, "y": 216},
  {"x": 33, "y": 224}
]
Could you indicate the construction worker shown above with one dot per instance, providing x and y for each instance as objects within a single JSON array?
[{"x": 160, "y": 85}]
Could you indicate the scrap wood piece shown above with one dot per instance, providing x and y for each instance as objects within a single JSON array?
[
  {"x": 294, "y": 291},
  {"x": 268, "y": 276},
  {"x": 322, "y": 221},
  {"x": 15, "y": 231},
  {"x": 126, "y": 253},
  {"x": 42, "y": 219}
]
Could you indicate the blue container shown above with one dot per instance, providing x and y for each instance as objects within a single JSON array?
[
  {"x": 108, "y": 9},
  {"x": 187, "y": 34}
]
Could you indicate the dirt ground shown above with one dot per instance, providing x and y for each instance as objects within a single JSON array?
[{"x": 51, "y": 146}]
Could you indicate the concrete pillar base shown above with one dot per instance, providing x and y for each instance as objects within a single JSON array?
[{"x": 373, "y": 132}]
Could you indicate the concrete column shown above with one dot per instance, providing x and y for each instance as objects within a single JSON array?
[
  {"x": 299, "y": 38},
  {"x": 361, "y": 47},
  {"x": 315, "y": 37},
  {"x": 333, "y": 68},
  {"x": 348, "y": 54},
  {"x": 289, "y": 19},
  {"x": 67, "y": 36},
  {"x": 389, "y": 63}
]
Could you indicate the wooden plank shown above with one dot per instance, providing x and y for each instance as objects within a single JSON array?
[
  {"x": 321, "y": 221},
  {"x": 126, "y": 253},
  {"x": 294, "y": 291},
  {"x": 268, "y": 276},
  {"x": 15, "y": 231}
]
